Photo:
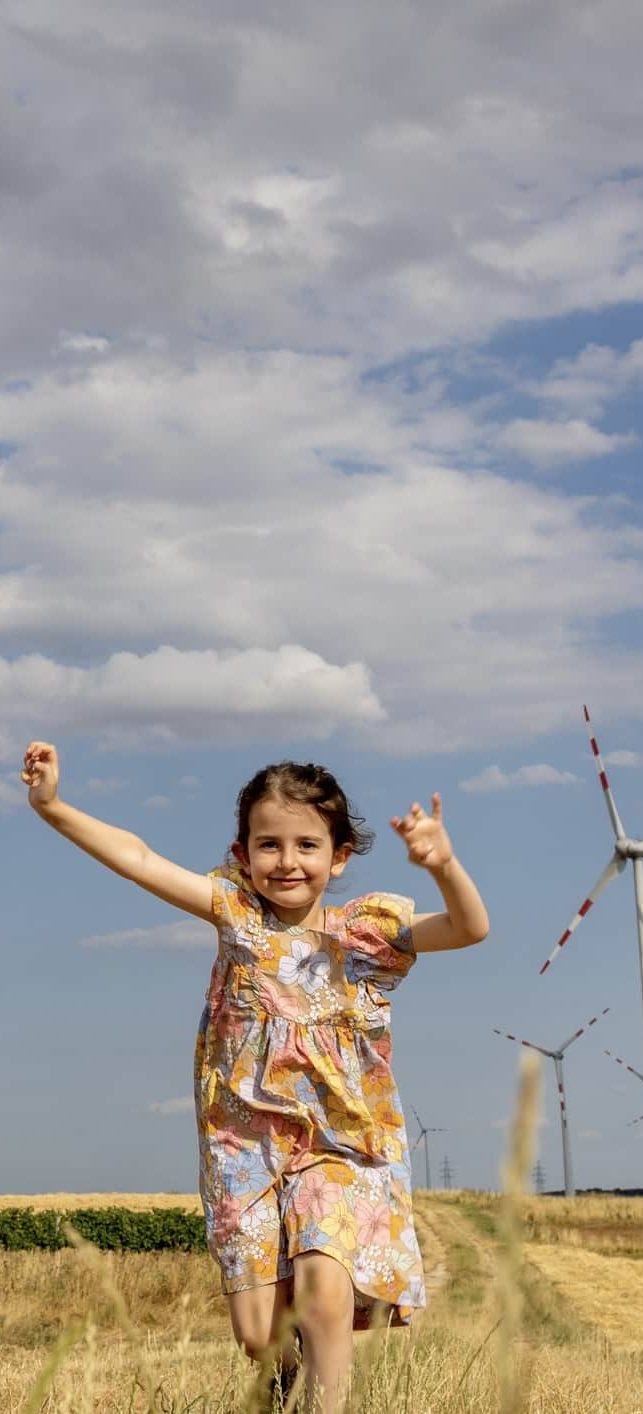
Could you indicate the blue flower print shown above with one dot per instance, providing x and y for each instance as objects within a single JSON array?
[{"x": 244, "y": 1172}]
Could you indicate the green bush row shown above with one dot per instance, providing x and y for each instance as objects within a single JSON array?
[{"x": 115, "y": 1229}]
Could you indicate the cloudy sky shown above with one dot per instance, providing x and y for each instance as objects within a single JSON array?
[{"x": 321, "y": 358}]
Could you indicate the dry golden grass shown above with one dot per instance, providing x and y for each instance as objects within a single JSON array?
[
  {"x": 68, "y": 1202},
  {"x": 40, "y": 1292},
  {"x": 446, "y": 1366},
  {"x": 605, "y": 1291},
  {"x": 84, "y": 1332}
]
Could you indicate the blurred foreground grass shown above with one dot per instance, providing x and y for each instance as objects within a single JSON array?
[
  {"x": 179, "y": 1357},
  {"x": 524, "y": 1317}
]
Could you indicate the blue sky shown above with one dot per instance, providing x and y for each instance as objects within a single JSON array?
[{"x": 320, "y": 436}]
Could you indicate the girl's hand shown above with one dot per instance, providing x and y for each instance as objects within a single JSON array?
[
  {"x": 424, "y": 835},
  {"x": 41, "y": 773}
]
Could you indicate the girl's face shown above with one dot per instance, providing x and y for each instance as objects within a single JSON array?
[{"x": 290, "y": 858}]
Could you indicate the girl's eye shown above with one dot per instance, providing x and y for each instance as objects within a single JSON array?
[{"x": 308, "y": 844}]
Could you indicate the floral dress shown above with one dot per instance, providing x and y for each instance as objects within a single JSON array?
[{"x": 301, "y": 1132}]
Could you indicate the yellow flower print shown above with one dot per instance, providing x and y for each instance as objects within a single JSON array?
[
  {"x": 340, "y": 1225},
  {"x": 346, "y": 1116},
  {"x": 387, "y": 1116}
]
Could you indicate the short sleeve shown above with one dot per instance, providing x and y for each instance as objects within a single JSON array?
[
  {"x": 233, "y": 902},
  {"x": 379, "y": 939}
]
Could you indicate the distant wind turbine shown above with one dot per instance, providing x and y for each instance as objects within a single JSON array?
[
  {"x": 624, "y": 849},
  {"x": 557, "y": 1057},
  {"x": 422, "y": 1136},
  {"x": 620, "y": 1061}
]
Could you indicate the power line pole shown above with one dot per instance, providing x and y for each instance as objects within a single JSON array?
[
  {"x": 539, "y": 1177},
  {"x": 446, "y": 1173}
]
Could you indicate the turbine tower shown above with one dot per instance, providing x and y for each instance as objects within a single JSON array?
[
  {"x": 624, "y": 849},
  {"x": 422, "y": 1136},
  {"x": 557, "y": 1057}
]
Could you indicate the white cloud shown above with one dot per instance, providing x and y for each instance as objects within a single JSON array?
[
  {"x": 157, "y": 802},
  {"x": 216, "y": 184},
  {"x": 205, "y": 259},
  {"x": 82, "y": 343},
  {"x": 184, "y": 1104},
  {"x": 493, "y": 778},
  {"x": 597, "y": 375},
  {"x": 168, "y": 696},
  {"x": 187, "y": 933},
  {"x": 552, "y": 443},
  {"x": 623, "y": 758}
]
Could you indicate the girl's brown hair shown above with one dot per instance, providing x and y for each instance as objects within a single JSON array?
[{"x": 305, "y": 785}]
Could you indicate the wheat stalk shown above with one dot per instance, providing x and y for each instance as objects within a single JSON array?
[{"x": 515, "y": 1169}]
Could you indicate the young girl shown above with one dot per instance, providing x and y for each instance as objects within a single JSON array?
[{"x": 304, "y": 1166}]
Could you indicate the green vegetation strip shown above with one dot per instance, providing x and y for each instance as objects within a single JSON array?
[{"x": 112, "y": 1229}]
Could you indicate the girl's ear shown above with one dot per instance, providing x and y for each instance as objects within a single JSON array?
[
  {"x": 240, "y": 855},
  {"x": 340, "y": 860}
]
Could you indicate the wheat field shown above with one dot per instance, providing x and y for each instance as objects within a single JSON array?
[{"x": 86, "y": 1333}]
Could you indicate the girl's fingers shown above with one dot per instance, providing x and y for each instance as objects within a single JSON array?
[{"x": 436, "y": 801}]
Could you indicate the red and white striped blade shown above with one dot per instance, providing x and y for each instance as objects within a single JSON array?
[
  {"x": 414, "y": 1146},
  {"x": 584, "y": 1028},
  {"x": 532, "y": 1045},
  {"x": 602, "y": 776},
  {"x": 615, "y": 866},
  {"x": 619, "y": 1061}
]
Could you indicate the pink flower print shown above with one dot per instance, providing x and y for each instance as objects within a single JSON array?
[
  {"x": 225, "y": 1217},
  {"x": 231, "y": 1023},
  {"x": 276, "y": 1002},
  {"x": 301, "y": 969},
  {"x": 229, "y": 1140},
  {"x": 373, "y": 1223},
  {"x": 316, "y": 1197},
  {"x": 267, "y": 1122}
]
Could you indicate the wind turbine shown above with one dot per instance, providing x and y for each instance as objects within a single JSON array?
[
  {"x": 557, "y": 1057},
  {"x": 632, "y": 1071},
  {"x": 624, "y": 849},
  {"x": 422, "y": 1136}
]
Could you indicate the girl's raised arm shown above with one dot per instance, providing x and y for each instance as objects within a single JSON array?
[{"x": 121, "y": 851}]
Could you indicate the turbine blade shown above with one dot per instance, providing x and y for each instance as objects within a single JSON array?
[
  {"x": 532, "y": 1045},
  {"x": 619, "y": 1061},
  {"x": 417, "y": 1116},
  {"x": 635, "y": 1121},
  {"x": 414, "y": 1146},
  {"x": 602, "y": 776},
  {"x": 582, "y": 1029},
  {"x": 615, "y": 866}
]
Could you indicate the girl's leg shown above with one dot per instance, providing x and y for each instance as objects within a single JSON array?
[
  {"x": 324, "y": 1305},
  {"x": 256, "y": 1317}
]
